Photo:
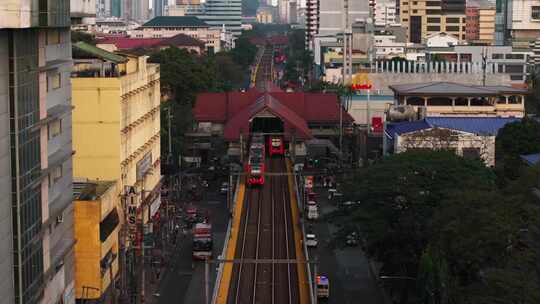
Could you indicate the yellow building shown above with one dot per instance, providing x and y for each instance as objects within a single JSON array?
[
  {"x": 116, "y": 127},
  {"x": 96, "y": 230},
  {"x": 486, "y": 25},
  {"x": 422, "y": 18}
]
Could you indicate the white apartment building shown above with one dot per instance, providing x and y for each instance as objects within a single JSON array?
[
  {"x": 525, "y": 19},
  {"x": 385, "y": 13}
]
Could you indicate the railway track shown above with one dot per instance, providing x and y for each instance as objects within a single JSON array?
[
  {"x": 266, "y": 234},
  {"x": 264, "y": 70}
]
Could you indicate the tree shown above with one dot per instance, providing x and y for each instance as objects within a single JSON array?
[
  {"x": 77, "y": 36},
  {"x": 244, "y": 51},
  {"x": 513, "y": 140},
  {"x": 532, "y": 102},
  {"x": 229, "y": 71}
]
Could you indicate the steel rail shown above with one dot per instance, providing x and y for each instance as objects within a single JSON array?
[
  {"x": 257, "y": 247},
  {"x": 242, "y": 252}
]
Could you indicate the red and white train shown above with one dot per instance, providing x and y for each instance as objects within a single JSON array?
[
  {"x": 275, "y": 146},
  {"x": 255, "y": 167}
]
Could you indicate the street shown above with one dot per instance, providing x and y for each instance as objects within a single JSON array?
[
  {"x": 350, "y": 278},
  {"x": 181, "y": 283}
]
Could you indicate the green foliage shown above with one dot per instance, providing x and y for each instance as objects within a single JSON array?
[
  {"x": 532, "y": 102},
  {"x": 440, "y": 218},
  {"x": 300, "y": 60},
  {"x": 185, "y": 74},
  {"x": 244, "y": 51},
  {"x": 513, "y": 140}
]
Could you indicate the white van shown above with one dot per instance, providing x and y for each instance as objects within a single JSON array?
[{"x": 313, "y": 212}]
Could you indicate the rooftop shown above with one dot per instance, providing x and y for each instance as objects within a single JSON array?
[
  {"x": 451, "y": 88},
  {"x": 531, "y": 159},
  {"x": 475, "y": 125},
  {"x": 90, "y": 190},
  {"x": 175, "y": 21},
  {"x": 124, "y": 43},
  {"x": 95, "y": 52}
]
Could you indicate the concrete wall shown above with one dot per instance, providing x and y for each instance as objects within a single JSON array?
[
  {"x": 96, "y": 128},
  {"x": 6, "y": 249},
  {"x": 439, "y": 138}
]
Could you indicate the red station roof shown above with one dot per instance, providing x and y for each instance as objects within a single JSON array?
[{"x": 297, "y": 110}]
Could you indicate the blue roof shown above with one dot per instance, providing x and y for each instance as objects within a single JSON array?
[
  {"x": 475, "y": 125},
  {"x": 531, "y": 159}
]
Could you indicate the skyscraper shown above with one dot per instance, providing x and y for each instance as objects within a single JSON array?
[
  {"x": 36, "y": 211},
  {"x": 158, "y": 7},
  {"x": 228, "y": 13}
]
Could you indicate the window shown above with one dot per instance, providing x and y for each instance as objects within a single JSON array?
[
  {"x": 433, "y": 3},
  {"x": 514, "y": 68},
  {"x": 55, "y": 175},
  {"x": 515, "y": 56},
  {"x": 452, "y": 28},
  {"x": 497, "y": 56},
  {"x": 53, "y": 81},
  {"x": 415, "y": 2},
  {"x": 433, "y": 28},
  {"x": 433, "y": 20},
  {"x": 535, "y": 12},
  {"x": 53, "y": 37},
  {"x": 452, "y": 20},
  {"x": 415, "y": 11},
  {"x": 54, "y": 128},
  {"x": 471, "y": 153},
  {"x": 433, "y": 12},
  {"x": 405, "y": 19}
]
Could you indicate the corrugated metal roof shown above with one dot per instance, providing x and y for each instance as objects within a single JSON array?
[
  {"x": 99, "y": 53},
  {"x": 292, "y": 122},
  {"x": 474, "y": 125},
  {"x": 450, "y": 88},
  {"x": 531, "y": 159},
  {"x": 175, "y": 21}
]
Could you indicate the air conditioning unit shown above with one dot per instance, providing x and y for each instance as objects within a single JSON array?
[{"x": 60, "y": 219}]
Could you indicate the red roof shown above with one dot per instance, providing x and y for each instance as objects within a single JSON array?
[
  {"x": 124, "y": 43},
  {"x": 309, "y": 107},
  {"x": 291, "y": 121}
]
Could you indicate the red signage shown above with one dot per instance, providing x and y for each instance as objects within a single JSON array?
[
  {"x": 377, "y": 124},
  {"x": 361, "y": 86}
]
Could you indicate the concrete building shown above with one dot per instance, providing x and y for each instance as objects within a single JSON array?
[
  {"x": 385, "y": 13},
  {"x": 219, "y": 13},
  {"x": 97, "y": 227},
  {"x": 135, "y": 10},
  {"x": 330, "y": 15},
  {"x": 158, "y": 7},
  {"x": 455, "y": 99},
  {"x": 36, "y": 216},
  {"x": 469, "y": 137},
  {"x": 480, "y": 23},
  {"x": 517, "y": 22},
  {"x": 265, "y": 15},
  {"x": 166, "y": 27},
  {"x": 83, "y": 14},
  {"x": 422, "y": 18},
  {"x": 312, "y": 21},
  {"x": 118, "y": 97}
]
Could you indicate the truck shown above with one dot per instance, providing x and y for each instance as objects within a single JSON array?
[{"x": 202, "y": 241}]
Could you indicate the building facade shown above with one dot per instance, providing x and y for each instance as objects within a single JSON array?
[
  {"x": 169, "y": 26},
  {"x": 385, "y": 13},
  {"x": 480, "y": 23},
  {"x": 219, "y": 13},
  {"x": 97, "y": 227},
  {"x": 118, "y": 97},
  {"x": 423, "y": 18},
  {"x": 36, "y": 153}
]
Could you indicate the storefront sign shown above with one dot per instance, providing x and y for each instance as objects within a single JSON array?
[
  {"x": 143, "y": 166},
  {"x": 131, "y": 211}
]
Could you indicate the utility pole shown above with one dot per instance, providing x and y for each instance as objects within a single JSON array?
[
  {"x": 169, "y": 156},
  {"x": 347, "y": 45},
  {"x": 484, "y": 65}
]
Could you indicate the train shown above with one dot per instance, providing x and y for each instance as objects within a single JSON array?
[
  {"x": 276, "y": 146},
  {"x": 255, "y": 166}
]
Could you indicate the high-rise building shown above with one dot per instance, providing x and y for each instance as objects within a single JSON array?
[
  {"x": 312, "y": 20},
  {"x": 480, "y": 22},
  {"x": 36, "y": 211},
  {"x": 158, "y": 7},
  {"x": 219, "y": 13},
  {"x": 116, "y": 8},
  {"x": 384, "y": 12},
  {"x": 423, "y": 18},
  {"x": 330, "y": 15}
]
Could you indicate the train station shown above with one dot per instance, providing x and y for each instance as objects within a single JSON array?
[{"x": 227, "y": 119}]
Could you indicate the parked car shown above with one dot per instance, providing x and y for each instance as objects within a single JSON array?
[
  {"x": 333, "y": 194},
  {"x": 313, "y": 212},
  {"x": 224, "y": 188},
  {"x": 311, "y": 240}
]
